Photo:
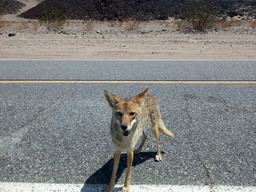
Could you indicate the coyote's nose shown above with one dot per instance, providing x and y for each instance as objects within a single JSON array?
[{"x": 123, "y": 127}]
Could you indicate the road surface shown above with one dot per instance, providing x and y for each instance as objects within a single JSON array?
[{"x": 54, "y": 123}]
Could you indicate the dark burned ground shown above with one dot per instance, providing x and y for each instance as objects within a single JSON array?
[
  {"x": 10, "y": 6},
  {"x": 122, "y": 9},
  {"x": 102, "y": 9},
  {"x": 132, "y": 9}
]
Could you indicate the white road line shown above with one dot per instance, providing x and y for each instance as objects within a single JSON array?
[
  {"x": 132, "y": 81},
  {"x": 50, "y": 187}
]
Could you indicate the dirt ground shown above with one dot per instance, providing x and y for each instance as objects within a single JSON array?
[{"x": 126, "y": 40}]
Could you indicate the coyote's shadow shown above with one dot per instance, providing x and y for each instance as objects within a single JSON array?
[{"x": 103, "y": 175}]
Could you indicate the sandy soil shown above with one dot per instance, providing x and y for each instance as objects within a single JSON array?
[{"x": 110, "y": 40}]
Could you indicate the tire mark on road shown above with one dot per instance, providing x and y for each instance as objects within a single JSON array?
[{"x": 9, "y": 143}]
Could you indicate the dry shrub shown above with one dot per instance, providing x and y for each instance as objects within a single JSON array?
[
  {"x": 52, "y": 18},
  {"x": 200, "y": 15},
  {"x": 167, "y": 23},
  {"x": 253, "y": 24},
  {"x": 89, "y": 25},
  {"x": 113, "y": 23},
  {"x": 179, "y": 23},
  {"x": 131, "y": 25}
]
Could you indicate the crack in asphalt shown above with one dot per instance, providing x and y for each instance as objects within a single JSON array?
[
  {"x": 209, "y": 175},
  {"x": 39, "y": 112}
]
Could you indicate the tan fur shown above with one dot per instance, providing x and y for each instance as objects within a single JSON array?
[{"x": 129, "y": 118}]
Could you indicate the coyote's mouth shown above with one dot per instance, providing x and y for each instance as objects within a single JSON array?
[{"x": 126, "y": 133}]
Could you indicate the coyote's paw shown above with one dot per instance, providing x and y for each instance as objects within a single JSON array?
[
  {"x": 126, "y": 189},
  {"x": 158, "y": 158}
]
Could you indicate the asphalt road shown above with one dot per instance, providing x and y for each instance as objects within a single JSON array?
[{"x": 59, "y": 132}]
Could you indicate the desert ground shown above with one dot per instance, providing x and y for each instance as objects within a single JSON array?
[{"x": 122, "y": 40}]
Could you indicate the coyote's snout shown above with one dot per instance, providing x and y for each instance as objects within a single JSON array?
[{"x": 129, "y": 118}]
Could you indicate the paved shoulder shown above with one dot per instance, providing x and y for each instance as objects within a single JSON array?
[{"x": 49, "y": 187}]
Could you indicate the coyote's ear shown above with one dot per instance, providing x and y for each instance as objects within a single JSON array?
[
  {"x": 112, "y": 99},
  {"x": 141, "y": 97}
]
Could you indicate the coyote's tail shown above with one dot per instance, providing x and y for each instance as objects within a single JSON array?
[{"x": 163, "y": 129}]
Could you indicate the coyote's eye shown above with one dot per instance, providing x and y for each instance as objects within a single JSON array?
[
  {"x": 132, "y": 114},
  {"x": 119, "y": 114}
]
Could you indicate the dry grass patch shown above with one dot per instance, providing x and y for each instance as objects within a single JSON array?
[
  {"x": 252, "y": 24},
  {"x": 131, "y": 25},
  {"x": 19, "y": 25},
  {"x": 228, "y": 23},
  {"x": 4, "y": 24},
  {"x": 88, "y": 25}
]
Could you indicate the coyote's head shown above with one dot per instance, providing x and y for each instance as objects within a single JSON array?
[{"x": 125, "y": 111}]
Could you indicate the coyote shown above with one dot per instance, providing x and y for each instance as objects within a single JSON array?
[{"x": 129, "y": 118}]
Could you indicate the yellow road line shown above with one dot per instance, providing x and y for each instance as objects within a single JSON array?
[{"x": 136, "y": 82}]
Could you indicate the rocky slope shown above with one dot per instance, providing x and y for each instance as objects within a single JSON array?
[
  {"x": 10, "y": 6},
  {"x": 122, "y": 9},
  {"x": 101, "y": 9}
]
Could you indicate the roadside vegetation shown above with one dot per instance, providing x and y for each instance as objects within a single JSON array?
[
  {"x": 132, "y": 25},
  {"x": 53, "y": 18},
  {"x": 199, "y": 15},
  {"x": 253, "y": 24},
  {"x": 196, "y": 15}
]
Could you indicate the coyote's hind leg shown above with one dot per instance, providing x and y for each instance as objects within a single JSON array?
[{"x": 155, "y": 131}]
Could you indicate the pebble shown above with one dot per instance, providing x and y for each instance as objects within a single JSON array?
[
  {"x": 12, "y": 34},
  {"x": 99, "y": 32}
]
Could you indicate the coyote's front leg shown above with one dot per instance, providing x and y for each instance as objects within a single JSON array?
[
  {"x": 113, "y": 176},
  {"x": 126, "y": 187}
]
